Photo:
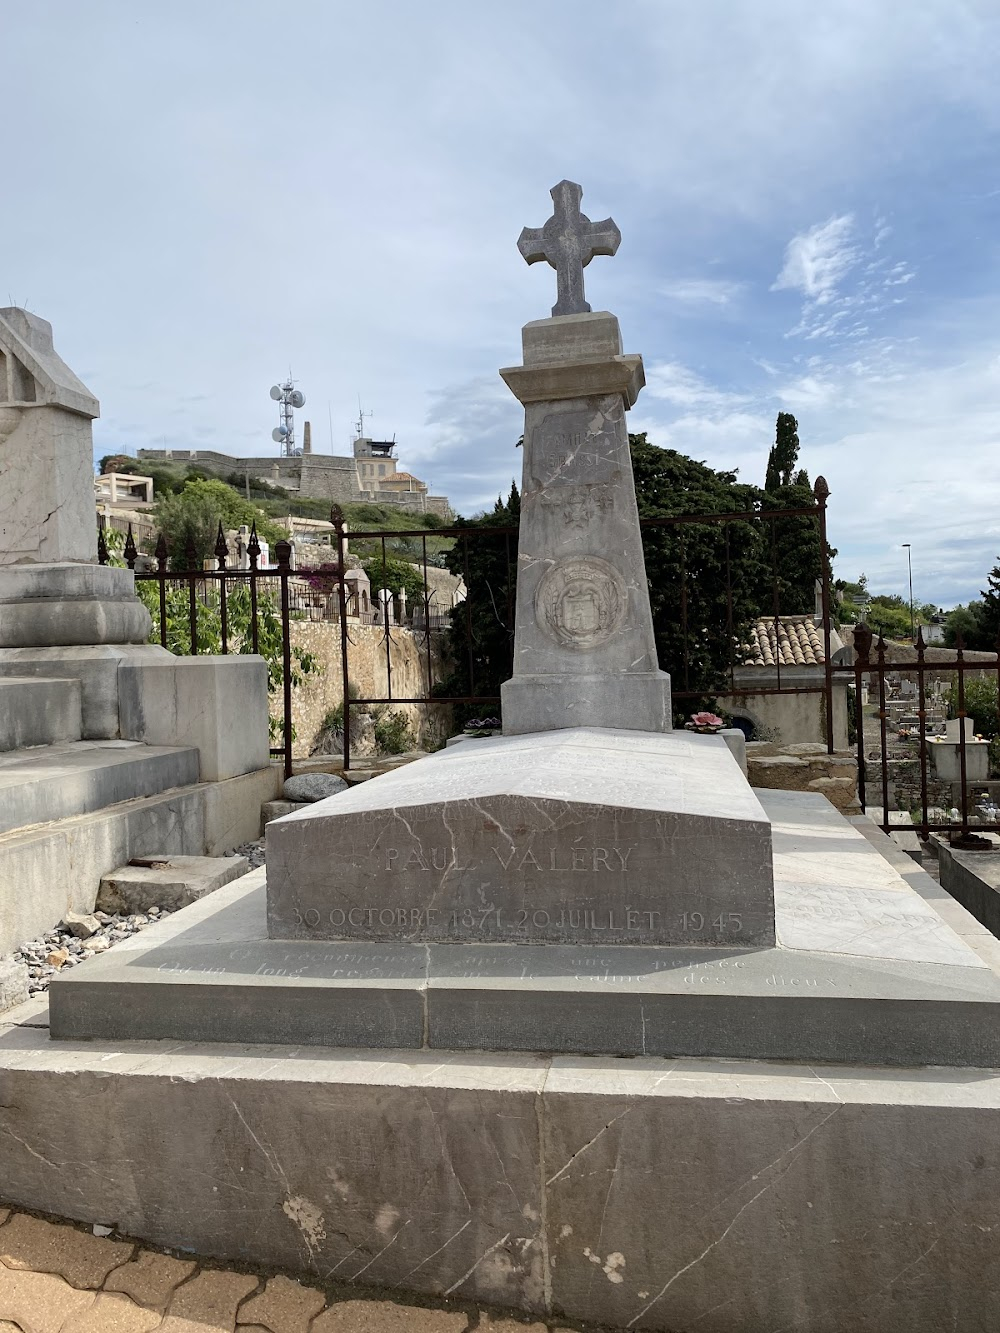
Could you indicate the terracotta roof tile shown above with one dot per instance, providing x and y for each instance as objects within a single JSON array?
[{"x": 794, "y": 641}]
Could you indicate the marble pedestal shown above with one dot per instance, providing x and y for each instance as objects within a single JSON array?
[
  {"x": 864, "y": 969},
  {"x": 69, "y": 604},
  {"x": 76, "y": 621},
  {"x": 584, "y": 651}
]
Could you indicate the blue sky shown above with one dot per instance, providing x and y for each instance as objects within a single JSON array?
[{"x": 200, "y": 196}]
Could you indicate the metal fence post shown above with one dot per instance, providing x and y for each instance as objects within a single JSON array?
[
  {"x": 283, "y": 550},
  {"x": 862, "y": 647},
  {"x": 337, "y": 519},
  {"x": 822, "y": 493}
]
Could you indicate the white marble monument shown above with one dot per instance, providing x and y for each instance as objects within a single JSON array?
[
  {"x": 46, "y": 449},
  {"x": 584, "y": 651}
]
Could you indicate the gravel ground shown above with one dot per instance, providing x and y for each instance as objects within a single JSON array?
[
  {"x": 58, "y": 949},
  {"x": 253, "y": 851}
]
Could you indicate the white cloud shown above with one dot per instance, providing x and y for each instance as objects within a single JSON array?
[
  {"x": 809, "y": 391},
  {"x": 816, "y": 260},
  {"x": 671, "y": 382},
  {"x": 703, "y": 291}
]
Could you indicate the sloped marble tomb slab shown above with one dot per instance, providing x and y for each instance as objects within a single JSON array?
[
  {"x": 864, "y": 970},
  {"x": 583, "y": 836}
]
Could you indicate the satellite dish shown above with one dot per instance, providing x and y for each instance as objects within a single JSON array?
[
  {"x": 298, "y": 398},
  {"x": 275, "y": 392},
  {"x": 278, "y": 434}
]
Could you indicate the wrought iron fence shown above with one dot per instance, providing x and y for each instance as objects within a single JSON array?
[
  {"x": 941, "y": 781},
  {"x": 209, "y": 593}
]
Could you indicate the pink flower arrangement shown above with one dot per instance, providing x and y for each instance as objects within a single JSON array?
[{"x": 704, "y": 722}]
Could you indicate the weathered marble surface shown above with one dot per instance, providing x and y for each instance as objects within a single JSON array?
[
  {"x": 216, "y": 703},
  {"x": 95, "y": 666},
  {"x": 584, "y": 652},
  {"x": 46, "y": 448},
  {"x": 568, "y": 242},
  {"x": 587, "y": 836},
  {"x": 66, "y": 604},
  {"x": 648, "y": 1194}
]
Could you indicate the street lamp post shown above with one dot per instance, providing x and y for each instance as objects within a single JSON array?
[{"x": 909, "y": 566}]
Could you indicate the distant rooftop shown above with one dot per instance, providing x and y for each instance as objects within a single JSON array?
[{"x": 793, "y": 641}]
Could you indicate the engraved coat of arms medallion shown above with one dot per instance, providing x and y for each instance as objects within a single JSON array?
[{"x": 580, "y": 602}]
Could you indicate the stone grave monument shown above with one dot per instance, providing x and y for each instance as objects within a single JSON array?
[
  {"x": 584, "y": 653},
  {"x": 479, "y": 932},
  {"x": 505, "y": 881},
  {"x": 97, "y": 725}
]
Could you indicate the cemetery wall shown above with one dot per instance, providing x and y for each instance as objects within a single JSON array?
[
  {"x": 791, "y": 719},
  {"x": 322, "y": 691},
  {"x": 805, "y": 767},
  {"x": 320, "y": 477}
]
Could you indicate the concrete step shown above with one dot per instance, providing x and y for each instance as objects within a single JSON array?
[
  {"x": 35, "y": 710},
  {"x": 50, "y": 868},
  {"x": 77, "y": 777}
]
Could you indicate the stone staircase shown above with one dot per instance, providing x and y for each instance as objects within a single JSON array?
[{"x": 72, "y": 809}]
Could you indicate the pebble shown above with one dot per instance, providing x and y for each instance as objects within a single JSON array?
[
  {"x": 58, "y": 950},
  {"x": 254, "y": 853}
]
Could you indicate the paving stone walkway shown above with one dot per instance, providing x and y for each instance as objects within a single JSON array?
[{"x": 56, "y": 1277}]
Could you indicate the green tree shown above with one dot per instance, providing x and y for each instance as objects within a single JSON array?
[
  {"x": 395, "y": 574},
  {"x": 851, "y": 600},
  {"x": 784, "y": 453},
  {"x": 116, "y": 463},
  {"x": 980, "y": 705},
  {"x": 481, "y": 636},
  {"x": 686, "y": 565},
  {"x": 791, "y": 550},
  {"x": 792, "y": 544},
  {"x": 890, "y": 615},
  {"x": 968, "y": 621},
  {"x": 989, "y": 616},
  {"x": 192, "y": 518}
]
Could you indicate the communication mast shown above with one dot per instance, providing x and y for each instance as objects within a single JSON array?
[{"x": 288, "y": 398}]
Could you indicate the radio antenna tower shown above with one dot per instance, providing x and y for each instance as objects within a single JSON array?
[
  {"x": 288, "y": 398},
  {"x": 360, "y": 423}
]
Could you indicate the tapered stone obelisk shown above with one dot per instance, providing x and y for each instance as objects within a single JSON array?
[{"x": 584, "y": 652}]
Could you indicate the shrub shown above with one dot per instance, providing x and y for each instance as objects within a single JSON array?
[
  {"x": 393, "y": 733},
  {"x": 980, "y": 705}
]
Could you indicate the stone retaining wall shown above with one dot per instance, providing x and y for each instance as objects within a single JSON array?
[
  {"x": 322, "y": 691},
  {"x": 805, "y": 767}
]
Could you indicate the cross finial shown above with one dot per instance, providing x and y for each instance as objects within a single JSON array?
[{"x": 569, "y": 241}]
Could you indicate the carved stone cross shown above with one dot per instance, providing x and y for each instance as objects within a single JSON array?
[{"x": 569, "y": 241}]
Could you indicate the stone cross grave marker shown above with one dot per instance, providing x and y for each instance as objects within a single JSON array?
[
  {"x": 584, "y": 648},
  {"x": 569, "y": 241}
]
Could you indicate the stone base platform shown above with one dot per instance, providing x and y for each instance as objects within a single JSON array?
[
  {"x": 637, "y": 701},
  {"x": 865, "y": 970},
  {"x": 58, "y": 604},
  {"x": 648, "y": 1194}
]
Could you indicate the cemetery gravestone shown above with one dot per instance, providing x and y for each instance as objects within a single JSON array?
[
  {"x": 418, "y": 1162},
  {"x": 584, "y": 651},
  {"x": 590, "y": 821}
]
